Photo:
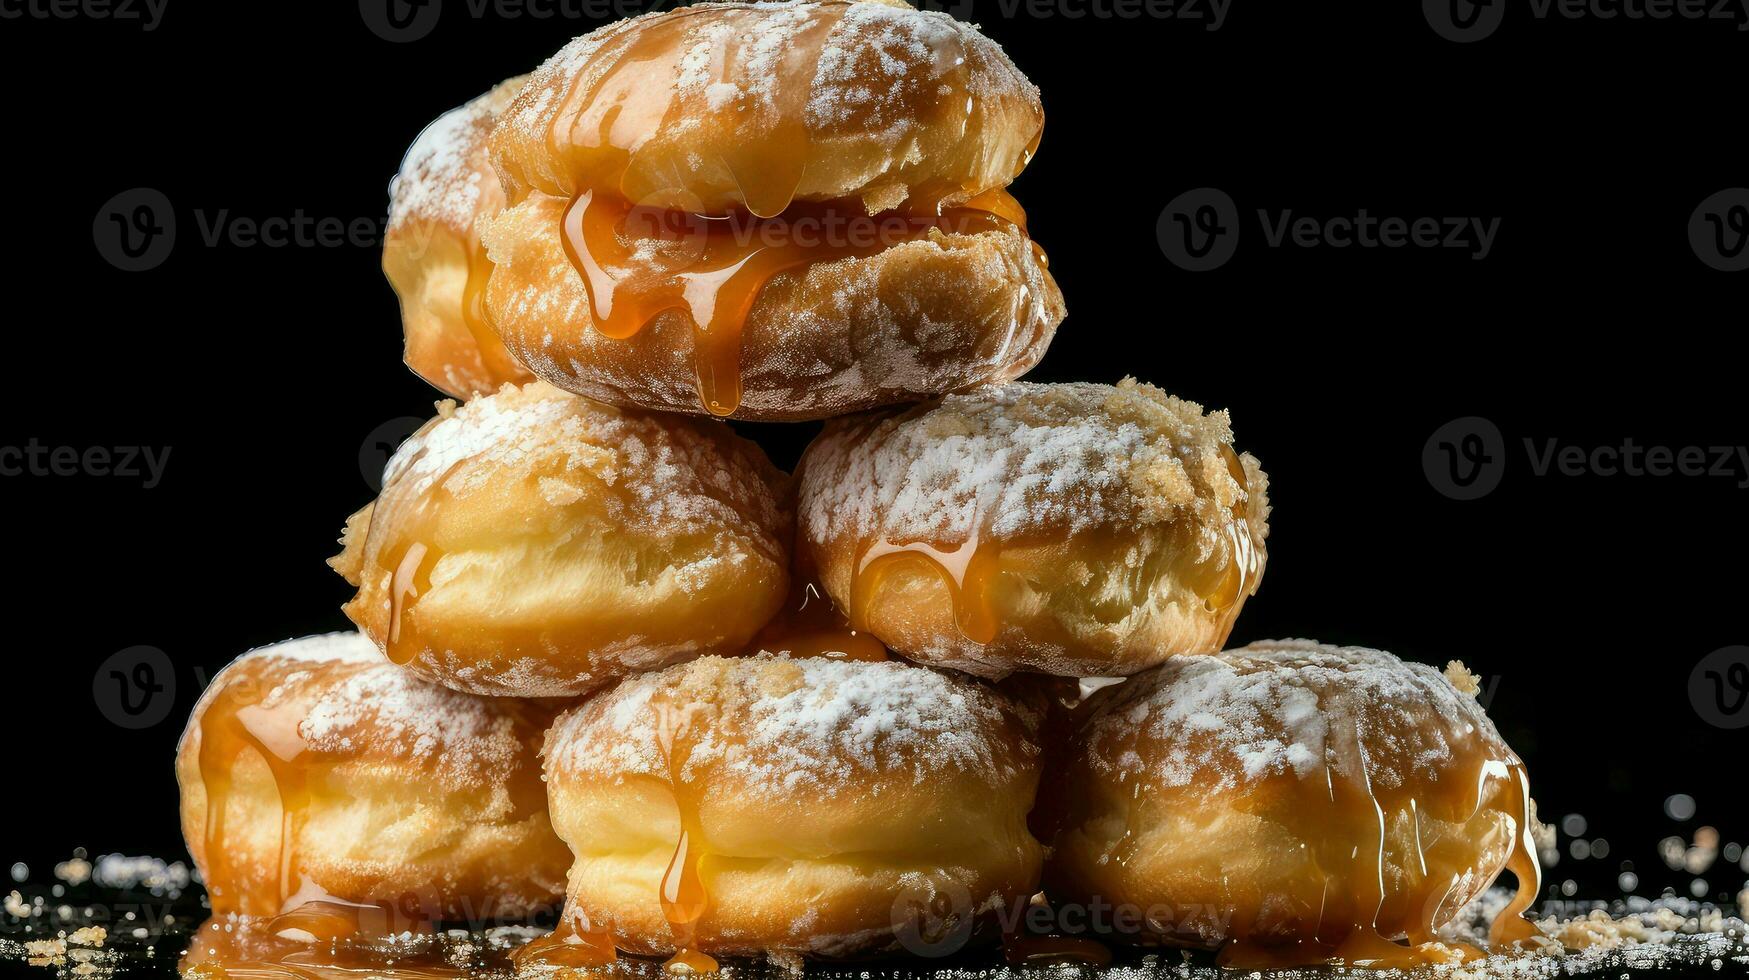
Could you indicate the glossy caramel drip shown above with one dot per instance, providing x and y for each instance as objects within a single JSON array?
[
  {"x": 967, "y": 570},
  {"x": 315, "y": 916},
  {"x": 222, "y": 950},
  {"x": 811, "y": 625},
  {"x": 1512, "y": 926},
  {"x": 683, "y": 895},
  {"x": 637, "y": 262},
  {"x": 1355, "y": 922},
  {"x": 1223, "y": 581},
  {"x": 575, "y": 944},
  {"x": 970, "y": 569},
  {"x": 474, "y": 315},
  {"x": 600, "y": 132},
  {"x": 407, "y": 562},
  {"x": 236, "y": 723},
  {"x": 613, "y": 164}
]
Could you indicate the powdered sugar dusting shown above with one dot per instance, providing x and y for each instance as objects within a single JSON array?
[
  {"x": 1280, "y": 707},
  {"x": 447, "y": 177},
  {"x": 668, "y": 472},
  {"x": 789, "y": 725},
  {"x": 350, "y": 648},
  {"x": 1006, "y": 461},
  {"x": 352, "y": 702},
  {"x": 869, "y": 81}
]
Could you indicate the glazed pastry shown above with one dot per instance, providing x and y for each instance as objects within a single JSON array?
[
  {"x": 1293, "y": 802},
  {"x": 537, "y": 544},
  {"x": 1075, "y": 529},
  {"x": 316, "y": 774},
  {"x": 769, "y": 805},
  {"x": 432, "y": 253},
  {"x": 771, "y": 211}
]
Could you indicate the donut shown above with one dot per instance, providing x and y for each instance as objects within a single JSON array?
[
  {"x": 792, "y": 807},
  {"x": 534, "y": 543},
  {"x": 1291, "y": 802},
  {"x": 1071, "y": 529},
  {"x": 317, "y": 775},
  {"x": 432, "y": 253},
  {"x": 771, "y": 211}
]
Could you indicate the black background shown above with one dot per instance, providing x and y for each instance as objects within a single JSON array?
[{"x": 1585, "y": 601}]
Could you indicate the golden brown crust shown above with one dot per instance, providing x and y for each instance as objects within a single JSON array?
[
  {"x": 914, "y": 320},
  {"x": 1240, "y": 796},
  {"x": 557, "y": 543},
  {"x": 1108, "y": 527},
  {"x": 445, "y": 186},
  {"x": 856, "y": 100},
  {"x": 447, "y": 784},
  {"x": 827, "y": 794}
]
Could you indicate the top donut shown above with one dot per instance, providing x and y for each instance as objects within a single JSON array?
[{"x": 716, "y": 107}]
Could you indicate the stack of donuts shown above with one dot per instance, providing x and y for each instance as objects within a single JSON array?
[{"x": 961, "y": 672}]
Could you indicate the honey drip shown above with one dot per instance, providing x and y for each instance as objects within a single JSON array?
[
  {"x": 970, "y": 570},
  {"x": 575, "y": 944},
  {"x": 811, "y": 625},
  {"x": 222, "y": 950},
  {"x": 967, "y": 570},
  {"x": 474, "y": 315},
  {"x": 684, "y": 896},
  {"x": 644, "y": 243},
  {"x": 1349, "y": 919},
  {"x": 637, "y": 262},
  {"x": 408, "y": 563},
  {"x": 241, "y": 723},
  {"x": 234, "y": 724}
]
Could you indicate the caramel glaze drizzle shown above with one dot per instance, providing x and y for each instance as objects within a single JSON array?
[
  {"x": 474, "y": 314},
  {"x": 971, "y": 568},
  {"x": 1348, "y": 921},
  {"x": 238, "y": 723},
  {"x": 576, "y": 944},
  {"x": 683, "y": 894},
  {"x": 643, "y": 246},
  {"x": 223, "y": 951},
  {"x": 811, "y": 624}
]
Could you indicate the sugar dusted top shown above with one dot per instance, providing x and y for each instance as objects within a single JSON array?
[
  {"x": 811, "y": 725},
  {"x": 672, "y": 474},
  {"x": 1021, "y": 458},
  {"x": 1281, "y": 707},
  {"x": 447, "y": 177},
  {"x": 336, "y": 697},
  {"x": 859, "y": 100}
]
